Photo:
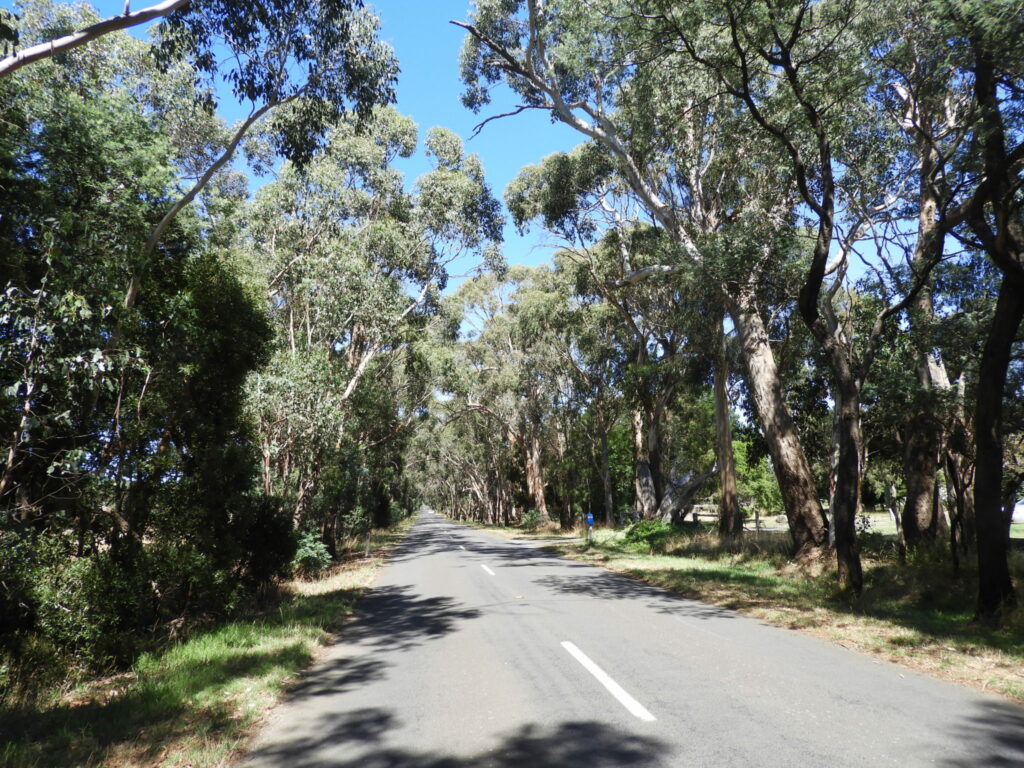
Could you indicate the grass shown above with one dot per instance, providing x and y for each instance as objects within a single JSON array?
[
  {"x": 198, "y": 702},
  {"x": 918, "y": 615}
]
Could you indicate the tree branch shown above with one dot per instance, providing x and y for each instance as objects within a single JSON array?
[{"x": 14, "y": 62}]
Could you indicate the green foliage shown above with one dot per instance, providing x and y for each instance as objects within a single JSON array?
[
  {"x": 531, "y": 519},
  {"x": 311, "y": 554},
  {"x": 755, "y": 480},
  {"x": 651, "y": 533},
  {"x": 319, "y": 55}
]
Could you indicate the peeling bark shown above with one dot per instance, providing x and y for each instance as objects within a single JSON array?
[{"x": 807, "y": 523}]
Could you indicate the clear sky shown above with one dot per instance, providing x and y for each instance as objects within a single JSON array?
[{"x": 427, "y": 47}]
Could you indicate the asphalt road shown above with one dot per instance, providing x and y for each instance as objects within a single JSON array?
[{"x": 477, "y": 651}]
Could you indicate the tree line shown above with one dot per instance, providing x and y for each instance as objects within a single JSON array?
[
  {"x": 788, "y": 271},
  {"x": 809, "y": 210},
  {"x": 205, "y": 389}
]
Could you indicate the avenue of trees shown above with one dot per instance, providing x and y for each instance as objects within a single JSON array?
[
  {"x": 788, "y": 276},
  {"x": 837, "y": 185}
]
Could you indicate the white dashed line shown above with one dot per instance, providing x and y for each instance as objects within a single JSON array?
[
  {"x": 635, "y": 707},
  {"x": 487, "y": 569}
]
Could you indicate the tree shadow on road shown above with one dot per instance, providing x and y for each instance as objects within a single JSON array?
[
  {"x": 357, "y": 740},
  {"x": 993, "y": 736},
  {"x": 397, "y": 618},
  {"x": 609, "y": 586}
]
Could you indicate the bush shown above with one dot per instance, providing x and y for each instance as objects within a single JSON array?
[
  {"x": 652, "y": 533},
  {"x": 311, "y": 555},
  {"x": 270, "y": 544},
  {"x": 91, "y": 607},
  {"x": 531, "y": 520}
]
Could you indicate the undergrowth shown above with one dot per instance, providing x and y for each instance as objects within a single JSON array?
[{"x": 195, "y": 702}]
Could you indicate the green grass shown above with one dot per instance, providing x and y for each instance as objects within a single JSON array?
[
  {"x": 918, "y": 614},
  {"x": 194, "y": 703}
]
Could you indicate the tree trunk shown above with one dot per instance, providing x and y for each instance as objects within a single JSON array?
[
  {"x": 606, "y": 472},
  {"x": 846, "y": 499},
  {"x": 921, "y": 521},
  {"x": 646, "y": 503},
  {"x": 995, "y": 589},
  {"x": 807, "y": 523},
  {"x": 535, "y": 476},
  {"x": 730, "y": 521}
]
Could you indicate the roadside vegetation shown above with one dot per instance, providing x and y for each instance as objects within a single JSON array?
[
  {"x": 197, "y": 701},
  {"x": 787, "y": 285}
]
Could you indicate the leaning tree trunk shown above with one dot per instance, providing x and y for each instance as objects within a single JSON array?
[
  {"x": 995, "y": 589},
  {"x": 730, "y": 521},
  {"x": 807, "y": 523}
]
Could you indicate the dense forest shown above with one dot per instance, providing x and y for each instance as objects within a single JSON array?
[{"x": 787, "y": 280}]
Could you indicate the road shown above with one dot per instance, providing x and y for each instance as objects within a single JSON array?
[{"x": 474, "y": 651}]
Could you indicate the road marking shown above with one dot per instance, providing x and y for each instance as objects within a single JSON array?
[
  {"x": 635, "y": 707},
  {"x": 487, "y": 569}
]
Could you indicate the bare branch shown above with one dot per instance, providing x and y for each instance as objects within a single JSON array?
[{"x": 14, "y": 62}]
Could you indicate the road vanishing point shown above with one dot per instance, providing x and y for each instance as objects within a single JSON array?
[{"x": 474, "y": 651}]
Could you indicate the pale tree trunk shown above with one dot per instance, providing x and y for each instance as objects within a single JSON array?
[
  {"x": 606, "y": 472},
  {"x": 535, "y": 476},
  {"x": 807, "y": 523},
  {"x": 920, "y": 521},
  {"x": 14, "y": 62},
  {"x": 846, "y": 499},
  {"x": 730, "y": 521},
  {"x": 960, "y": 499},
  {"x": 646, "y": 501}
]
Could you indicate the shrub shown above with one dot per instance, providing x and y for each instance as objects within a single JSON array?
[
  {"x": 270, "y": 544},
  {"x": 311, "y": 554},
  {"x": 531, "y": 519},
  {"x": 652, "y": 533}
]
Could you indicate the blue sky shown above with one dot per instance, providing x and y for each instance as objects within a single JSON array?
[{"x": 427, "y": 46}]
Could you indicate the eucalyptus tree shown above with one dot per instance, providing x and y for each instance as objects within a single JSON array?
[
  {"x": 684, "y": 153},
  {"x": 352, "y": 265},
  {"x": 126, "y": 482},
  {"x": 784, "y": 64},
  {"x": 606, "y": 245},
  {"x": 319, "y": 58},
  {"x": 503, "y": 374},
  {"x": 987, "y": 42}
]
